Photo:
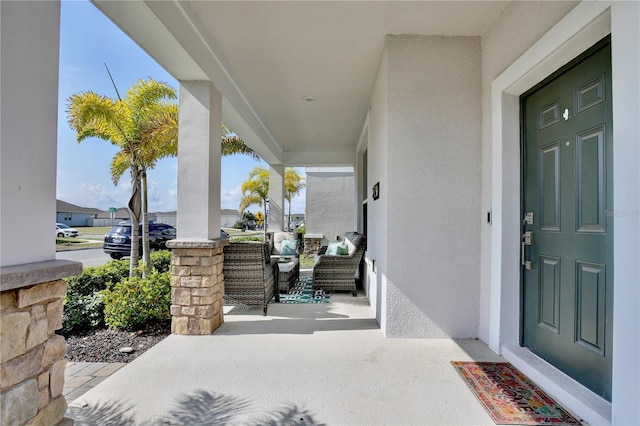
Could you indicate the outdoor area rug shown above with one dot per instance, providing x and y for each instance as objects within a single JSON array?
[
  {"x": 303, "y": 292},
  {"x": 509, "y": 396}
]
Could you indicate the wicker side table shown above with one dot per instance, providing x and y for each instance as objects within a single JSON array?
[{"x": 288, "y": 274}]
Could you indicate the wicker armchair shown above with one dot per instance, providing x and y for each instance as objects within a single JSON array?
[
  {"x": 339, "y": 272},
  {"x": 250, "y": 276}
]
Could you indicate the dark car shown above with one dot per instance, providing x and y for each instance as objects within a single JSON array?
[{"x": 117, "y": 242}]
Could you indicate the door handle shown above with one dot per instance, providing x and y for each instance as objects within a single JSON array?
[{"x": 527, "y": 240}]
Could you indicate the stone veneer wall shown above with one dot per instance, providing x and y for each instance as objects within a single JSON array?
[
  {"x": 197, "y": 286},
  {"x": 32, "y": 360}
]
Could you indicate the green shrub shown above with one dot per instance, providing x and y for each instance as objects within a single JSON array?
[
  {"x": 83, "y": 307},
  {"x": 82, "y": 313},
  {"x": 96, "y": 278},
  {"x": 161, "y": 260},
  {"x": 136, "y": 301},
  {"x": 302, "y": 229}
]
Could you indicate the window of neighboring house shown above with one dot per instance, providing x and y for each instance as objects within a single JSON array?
[{"x": 67, "y": 216}]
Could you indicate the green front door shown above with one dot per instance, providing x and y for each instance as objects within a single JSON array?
[{"x": 567, "y": 221}]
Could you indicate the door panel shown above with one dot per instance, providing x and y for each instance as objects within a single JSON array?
[
  {"x": 567, "y": 167},
  {"x": 591, "y": 309},
  {"x": 590, "y": 180},
  {"x": 550, "y": 186}
]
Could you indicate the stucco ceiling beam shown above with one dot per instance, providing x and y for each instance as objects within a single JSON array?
[{"x": 319, "y": 155}]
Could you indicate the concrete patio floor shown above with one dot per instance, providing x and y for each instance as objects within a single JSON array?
[{"x": 305, "y": 364}]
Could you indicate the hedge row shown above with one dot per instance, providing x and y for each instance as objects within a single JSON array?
[{"x": 105, "y": 295}]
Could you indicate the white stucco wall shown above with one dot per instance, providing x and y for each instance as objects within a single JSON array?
[
  {"x": 29, "y": 68},
  {"x": 330, "y": 201},
  {"x": 377, "y": 210},
  {"x": 431, "y": 192}
]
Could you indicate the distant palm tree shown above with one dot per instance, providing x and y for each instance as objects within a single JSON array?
[
  {"x": 131, "y": 125},
  {"x": 293, "y": 184},
  {"x": 255, "y": 190}
]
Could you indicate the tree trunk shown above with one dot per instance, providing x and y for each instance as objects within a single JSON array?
[
  {"x": 135, "y": 229},
  {"x": 289, "y": 217},
  {"x": 264, "y": 221},
  {"x": 146, "y": 256}
]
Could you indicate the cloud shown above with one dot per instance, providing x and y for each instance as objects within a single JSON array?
[
  {"x": 102, "y": 197},
  {"x": 230, "y": 198},
  {"x": 97, "y": 195}
]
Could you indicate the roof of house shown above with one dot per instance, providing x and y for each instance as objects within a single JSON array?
[{"x": 64, "y": 207}]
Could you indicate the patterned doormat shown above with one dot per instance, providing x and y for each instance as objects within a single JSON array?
[
  {"x": 509, "y": 396},
  {"x": 303, "y": 292}
]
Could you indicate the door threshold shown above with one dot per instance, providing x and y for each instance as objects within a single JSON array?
[{"x": 584, "y": 404}]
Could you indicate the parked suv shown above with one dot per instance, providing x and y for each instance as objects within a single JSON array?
[{"x": 117, "y": 242}]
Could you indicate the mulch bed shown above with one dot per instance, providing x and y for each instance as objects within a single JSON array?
[{"x": 104, "y": 345}]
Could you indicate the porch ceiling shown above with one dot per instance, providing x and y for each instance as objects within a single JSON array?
[{"x": 266, "y": 56}]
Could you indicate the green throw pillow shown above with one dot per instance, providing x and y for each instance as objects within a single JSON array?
[
  {"x": 338, "y": 249},
  {"x": 289, "y": 247}
]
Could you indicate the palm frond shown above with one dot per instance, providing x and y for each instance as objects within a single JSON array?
[
  {"x": 93, "y": 115},
  {"x": 120, "y": 163},
  {"x": 234, "y": 145},
  {"x": 248, "y": 200}
]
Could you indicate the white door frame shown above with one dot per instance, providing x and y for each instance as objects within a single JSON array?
[{"x": 585, "y": 25}]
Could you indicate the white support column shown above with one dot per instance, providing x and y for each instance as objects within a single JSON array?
[
  {"x": 28, "y": 130},
  {"x": 199, "y": 161},
  {"x": 276, "y": 197}
]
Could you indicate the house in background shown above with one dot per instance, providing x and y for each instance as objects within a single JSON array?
[
  {"x": 111, "y": 219},
  {"x": 168, "y": 218},
  {"x": 229, "y": 217},
  {"x": 433, "y": 104},
  {"x": 331, "y": 205},
  {"x": 73, "y": 215}
]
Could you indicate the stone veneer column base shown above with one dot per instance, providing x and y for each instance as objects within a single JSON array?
[
  {"x": 197, "y": 285},
  {"x": 31, "y": 354}
]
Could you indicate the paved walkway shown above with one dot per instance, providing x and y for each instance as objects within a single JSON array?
[
  {"x": 302, "y": 363},
  {"x": 79, "y": 377}
]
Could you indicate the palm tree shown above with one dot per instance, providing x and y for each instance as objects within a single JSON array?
[
  {"x": 293, "y": 184},
  {"x": 131, "y": 124},
  {"x": 144, "y": 125},
  {"x": 255, "y": 190}
]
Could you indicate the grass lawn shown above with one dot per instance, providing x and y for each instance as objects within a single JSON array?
[
  {"x": 75, "y": 243},
  {"x": 92, "y": 230}
]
